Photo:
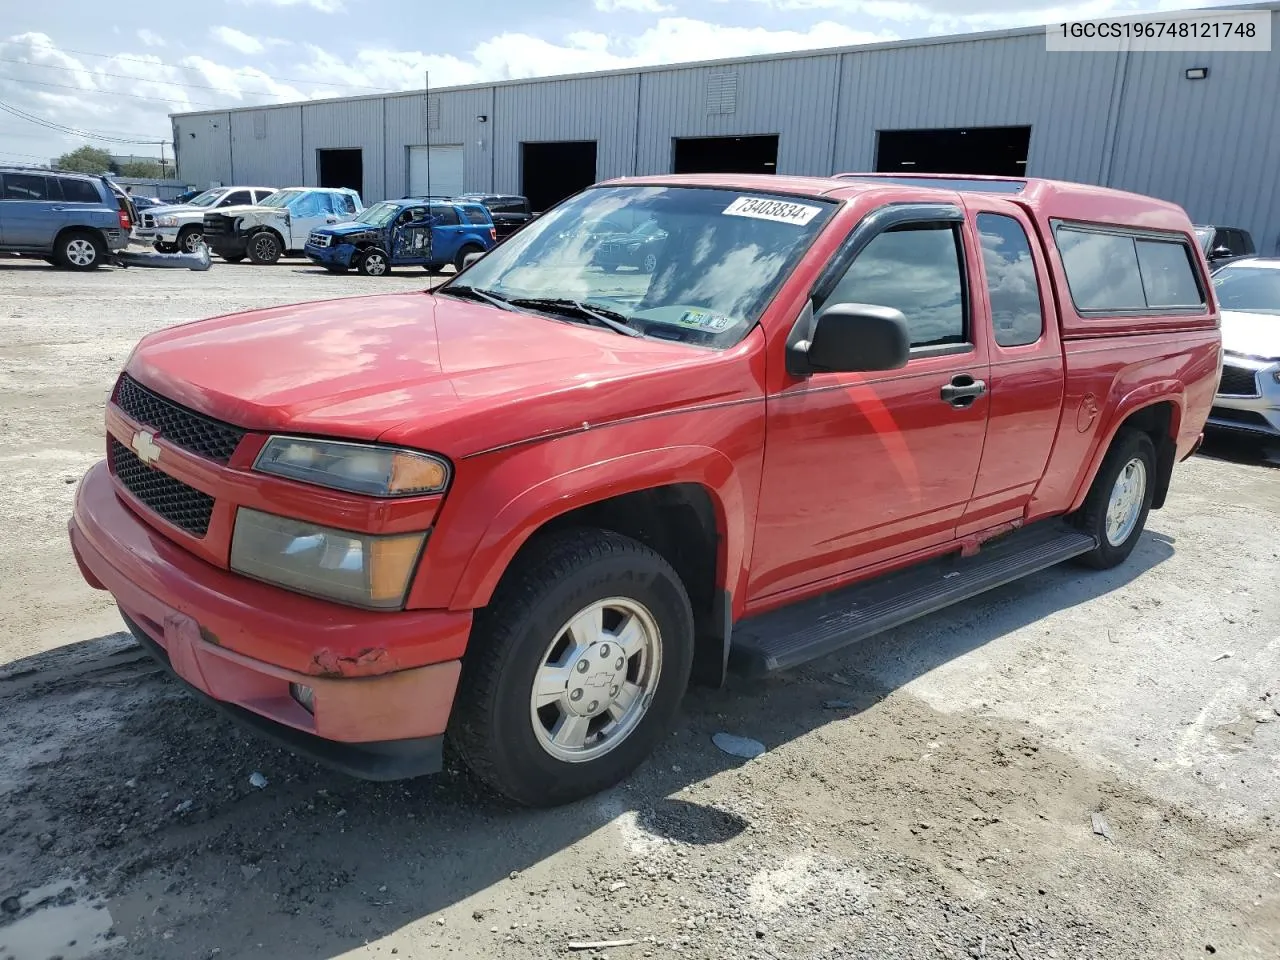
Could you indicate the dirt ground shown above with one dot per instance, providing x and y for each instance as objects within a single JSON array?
[{"x": 1081, "y": 765}]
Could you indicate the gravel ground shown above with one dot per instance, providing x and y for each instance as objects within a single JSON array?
[{"x": 1080, "y": 765}]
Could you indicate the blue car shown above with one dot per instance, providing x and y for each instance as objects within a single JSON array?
[
  {"x": 73, "y": 220},
  {"x": 413, "y": 232}
]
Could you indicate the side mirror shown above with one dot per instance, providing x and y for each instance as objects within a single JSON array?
[
  {"x": 1217, "y": 253},
  {"x": 471, "y": 258},
  {"x": 852, "y": 337}
]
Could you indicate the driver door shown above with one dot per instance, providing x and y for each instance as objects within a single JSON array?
[
  {"x": 411, "y": 237},
  {"x": 307, "y": 213},
  {"x": 862, "y": 469}
]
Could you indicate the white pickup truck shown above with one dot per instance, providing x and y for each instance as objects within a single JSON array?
[
  {"x": 180, "y": 227},
  {"x": 278, "y": 225}
]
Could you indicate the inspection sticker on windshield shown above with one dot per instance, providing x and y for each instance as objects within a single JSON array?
[
  {"x": 780, "y": 211},
  {"x": 703, "y": 320}
]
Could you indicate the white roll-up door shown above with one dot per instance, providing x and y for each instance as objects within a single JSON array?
[{"x": 442, "y": 176}]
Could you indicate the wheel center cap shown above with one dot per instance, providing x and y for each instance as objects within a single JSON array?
[{"x": 597, "y": 677}]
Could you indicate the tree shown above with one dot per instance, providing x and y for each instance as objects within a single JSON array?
[
  {"x": 86, "y": 159},
  {"x": 148, "y": 169}
]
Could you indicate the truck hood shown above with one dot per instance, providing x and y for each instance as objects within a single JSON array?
[
  {"x": 429, "y": 372},
  {"x": 245, "y": 209},
  {"x": 170, "y": 209},
  {"x": 348, "y": 228},
  {"x": 1252, "y": 334}
]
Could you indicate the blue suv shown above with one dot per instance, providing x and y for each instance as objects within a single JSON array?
[
  {"x": 72, "y": 220},
  {"x": 416, "y": 231}
]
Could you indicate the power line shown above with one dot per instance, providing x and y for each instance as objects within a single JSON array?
[
  {"x": 114, "y": 93},
  {"x": 75, "y": 131},
  {"x": 163, "y": 63},
  {"x": 125, "y": 76}
]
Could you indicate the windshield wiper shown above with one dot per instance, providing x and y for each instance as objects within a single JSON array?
[
  {"x": 475, "y": 293},
  {"x": 603, "y": 317}
]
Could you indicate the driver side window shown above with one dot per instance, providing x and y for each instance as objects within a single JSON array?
[
  {"x": 309, "y": 205},
  {"x": 916, "y": 268}
]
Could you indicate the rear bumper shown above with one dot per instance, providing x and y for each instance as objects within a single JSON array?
[{"x": 371, "y": 717}]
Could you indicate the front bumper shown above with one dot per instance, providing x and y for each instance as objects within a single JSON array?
[
  {"x": 337, "y": 255},
  {"x": 380, "y": 725},
  {"x": 158, "y": 234},
  {"x": 1258, "y": 415}
]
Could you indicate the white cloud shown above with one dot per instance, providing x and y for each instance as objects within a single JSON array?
[
  {"x": 321, "y": 6},
  {"x": 150, "y": 38},
  {"x": 633, "y": 6},
  {"x": 236, "y": 40}
]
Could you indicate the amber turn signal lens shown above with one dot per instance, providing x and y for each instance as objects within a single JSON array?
[
  {"x": 390, "y": 564},
  {"x": 411, "y": 474}
]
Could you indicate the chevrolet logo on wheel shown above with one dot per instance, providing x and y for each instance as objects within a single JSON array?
[{"x": 144, "y": 445}]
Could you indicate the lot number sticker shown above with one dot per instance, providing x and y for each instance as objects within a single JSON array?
[{"x": 780, "y": 211}]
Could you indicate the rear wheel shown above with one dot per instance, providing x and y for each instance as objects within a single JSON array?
[
  {"x": 575, "y": 669},
  {"x": 459, "y": 260},
  {"x": 264, "y": 248},
  {"x": 1115, "y": 510},
  {"x": 80, "y": 250}
]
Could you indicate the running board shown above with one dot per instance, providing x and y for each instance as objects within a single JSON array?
[{"x": 785, "y": 638}]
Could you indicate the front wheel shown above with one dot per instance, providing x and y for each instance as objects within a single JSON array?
[
  {"x": 1115, "y": 510},
  {"x": 264, "y": 248},
  {"x": 190, "y": 239},
  {"x": 575, "y": 670},
  {"x": 374, "y": 262}
]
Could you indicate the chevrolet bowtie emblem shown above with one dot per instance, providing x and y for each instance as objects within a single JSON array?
[{"x": 144, "y": 445}]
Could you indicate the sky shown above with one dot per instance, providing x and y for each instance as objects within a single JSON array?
[{"x": 115, "y": 71}]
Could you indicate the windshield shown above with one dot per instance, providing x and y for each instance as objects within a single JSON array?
[
  {"x": 208, "y": 198},
  {"x": 281, "y": 198},
  {"x": 1252, "y": 289},
  {"x": 696, "y": 265},
  {"x": 379, "y": 215}
]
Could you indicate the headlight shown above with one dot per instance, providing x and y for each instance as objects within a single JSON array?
[
  {"x": 355, "y": 568},
  {"x": 356, "y": 467},
  {"x": 166, "y": 221}
]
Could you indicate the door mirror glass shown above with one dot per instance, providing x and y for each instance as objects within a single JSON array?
[{"x": 853, "y": 337}]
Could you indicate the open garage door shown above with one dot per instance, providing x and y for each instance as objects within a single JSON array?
[
  {"x": 436, "y": 171},
  {"x": 982, "y": 151},
  {"x": 341, "y": 168},
  {"x": 725, "y": 155},
  {"x": 553, "y": 170}
]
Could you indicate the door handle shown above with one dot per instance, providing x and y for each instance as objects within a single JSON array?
[
  {"x": 57, "y": 209},
  {"x": 963, "y": 390}
]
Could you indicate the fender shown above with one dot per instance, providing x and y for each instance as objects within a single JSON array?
[
  {"x": 520, "y": 518},
  {"x": 1146, "y": 395}
]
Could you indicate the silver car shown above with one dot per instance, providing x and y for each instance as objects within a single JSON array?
[{"x": 1248, "y": 399}]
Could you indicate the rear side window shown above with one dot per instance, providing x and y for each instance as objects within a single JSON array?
[
  {"x": 236, "y": 198},
  {"x": 445, "y": 216},
  {"x": 475, "y": 215},
  {"x": 1167, "y": 275},
  {"x": 1119, "y": 272},
  {"x": 344, "y": 203},
  {"x": 24, "y": 186},
  {"x": 915, "y": 269},
  {"x": 1012, "y": 287}
]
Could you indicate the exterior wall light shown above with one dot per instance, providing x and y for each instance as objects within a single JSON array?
[{"x": 1197, "y": 73}]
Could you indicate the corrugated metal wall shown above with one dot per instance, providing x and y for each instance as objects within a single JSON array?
[
  {"x": 268, "y": 145},
  {"x": 1131, "y": 121}
]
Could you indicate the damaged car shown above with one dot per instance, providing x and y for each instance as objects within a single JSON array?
[
  {"x": 278, "y": 225},
  {"x": 412, "y": 232}
]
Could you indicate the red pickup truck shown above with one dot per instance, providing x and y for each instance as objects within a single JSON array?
[{"x": 523, "y": 511}]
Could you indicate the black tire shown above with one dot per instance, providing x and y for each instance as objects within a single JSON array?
[
  {"x": 80, "y": 250},
  {"x": 463, "y": 254},
  {"x": 491, "y": 726},
  {"x": 190, "y": 238},
  {"x": 162, "y": 247},
  {"x": 374, "y": 262},
  {"x": 232, "y": 257},
  {"x": 264, "y": 248},
  {"x": 1127, "y": 447}
]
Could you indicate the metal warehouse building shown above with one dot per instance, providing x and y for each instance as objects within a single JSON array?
[{"x": 981, "y": 103}]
